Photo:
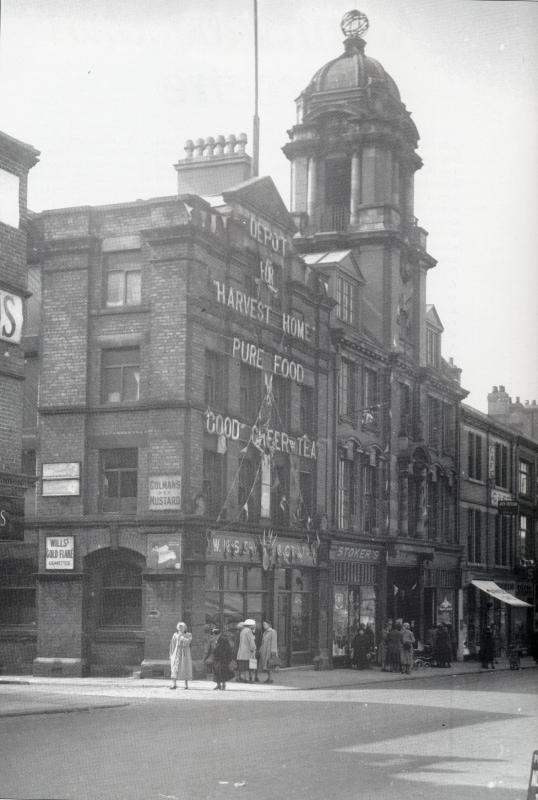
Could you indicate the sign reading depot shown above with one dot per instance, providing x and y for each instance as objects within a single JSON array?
[{"x": 60, "y": 552}]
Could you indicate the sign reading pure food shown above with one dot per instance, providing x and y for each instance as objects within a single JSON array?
[
  {"x": 60, "y": 552},
  {"x": 165, "y": 493}
]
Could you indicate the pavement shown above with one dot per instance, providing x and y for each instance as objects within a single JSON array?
[{"x": 22, "y": 695}]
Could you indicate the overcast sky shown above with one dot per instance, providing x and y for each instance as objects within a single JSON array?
[{"x": 109, "y": 90}]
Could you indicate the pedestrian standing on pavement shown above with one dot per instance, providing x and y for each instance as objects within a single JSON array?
[
  {"x": 258, "y": 637},
  {"x": 383, "y": 645},
  {"x": 222, "y": 656},
  {"x": 236, "y": 637},
  {"x": 487, "y": 648},
  {"x": 268, "y": 650},
  {"x": 444, "y": 647},
  {"x": 246, "y": 653},
  {"x": 394, "y": 649},
  {"x": 361, "y": 647},
  {"x": 408, "y": 642},
  {"x": 208, "y": 657},
  {"x": 180, "y": 656}
]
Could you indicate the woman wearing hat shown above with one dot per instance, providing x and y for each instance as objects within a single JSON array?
[
  {"x": 180, "y": 656},
  {"x": 246, "y": 653}
]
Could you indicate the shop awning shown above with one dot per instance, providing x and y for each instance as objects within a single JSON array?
[{"x": 491, "y": 588}]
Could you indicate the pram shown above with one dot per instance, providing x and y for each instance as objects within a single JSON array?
[
  {"x": 423, "y": 659},
  {"x": 513, "y": 656}
]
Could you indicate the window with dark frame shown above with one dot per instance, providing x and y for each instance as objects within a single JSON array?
[
  {"x": 346, "y": 388},
  {"x": 503, "y": 541},
  {"x": 121, "y": 375},
  {"x": 524, "y": 477},
  {"x": 215, "y": 390},
  {"x": 345, "y": 300},
  {"x": 250, "y": 392},
  {"x": 434, "y": 422},
  {"x": 524, "y": 545},
  {"x": 213, "y": 468},
  {"x": 248, "y": 490},
  {"x": 121, "y": 596},
  {"x": 235, "y": 592},
  {"x": 18, "y": 591},
  {"x": 405, "y": 409},
  {"x": 474, "y": 536},
  {"x": 345, "y": 493},
  {"x": 123, "y": 279},
  {"x": 501, "y": 465},
  {"x": 433, "y": 348},
  {"x": 474, "y": 456},
  {"x": 119, "y": 471},
  {"x": 282, "y": 405},
  {"x": 306, "y": 410},
  {"x": 370, "y": 491},
  {"x": 370, "y": 398}
]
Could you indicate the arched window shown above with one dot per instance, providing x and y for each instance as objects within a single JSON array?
[{"x": 121, "y": 595}]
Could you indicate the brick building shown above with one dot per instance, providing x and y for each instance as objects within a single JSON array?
[
  {"x": 17, "y": 556},
  {"x": 182, "y": 454},
  {"x": 498, "y": 521}
]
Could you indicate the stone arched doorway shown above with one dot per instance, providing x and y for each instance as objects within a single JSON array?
[{"x": 113, "y": 611}]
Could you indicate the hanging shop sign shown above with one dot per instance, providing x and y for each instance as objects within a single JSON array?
[
  {"x": 11, "y": 317},
  {"x": 344, "y": 552},
  {"x": 165, "y": 493},
  {"x": 508, "y": 508},
  {"x": 165, "y": 552},
  {"x": 60, "y": 479},
  {"x": 262, "y": 438},
  {"x": 499, "y": 496},
  {"x": 59, "y": 552}
]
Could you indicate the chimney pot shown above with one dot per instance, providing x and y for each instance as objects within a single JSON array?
[
  {"x": 241, "y": 143},
  {"x": 495, "y": 389},
  {"x": 230, "y": 144},
  {"x": 189, "y": 147},
  {"x": 501, "y": 388},
  {"x": 209, "y": 144},
  {"x": 198, "y": 148},
  {"x": 219, "y": 145}
]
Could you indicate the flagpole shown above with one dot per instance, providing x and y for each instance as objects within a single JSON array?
[{"x": 256, "y": 120}]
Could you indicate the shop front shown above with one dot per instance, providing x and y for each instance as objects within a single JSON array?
[
  {"x": 264, "y": 576},
  {"x": 488, "y": 603},
  {"x": 355, "y": 579}
]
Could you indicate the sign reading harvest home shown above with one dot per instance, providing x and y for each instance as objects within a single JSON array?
[
  {"x": 165, "y": 493},
  {"x": 60, "y": 552}
]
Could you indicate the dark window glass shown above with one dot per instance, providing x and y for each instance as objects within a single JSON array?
[
  {"x": 123, "y": 279},
  {"x": 250, "y": 392},
  {"x": 120, "y": 478},
  {"x": 306, "y": 410},
  {"x": 17, "y": 592},
  {"x": 121, "y": 596},
  {"x": 213, "y": 482},
  {"x": 214, "y": 380},
  {"x": 121, "y": 375}
]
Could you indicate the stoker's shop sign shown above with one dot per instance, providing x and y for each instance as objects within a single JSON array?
[{"x": 348, "y": 552}]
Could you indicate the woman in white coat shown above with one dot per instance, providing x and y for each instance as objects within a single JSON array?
[
  {"x": 246, "y": 652},
  {"x": 180, "y": 655}
]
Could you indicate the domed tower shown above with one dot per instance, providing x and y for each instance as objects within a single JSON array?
[{"x": 353, "y": 159}]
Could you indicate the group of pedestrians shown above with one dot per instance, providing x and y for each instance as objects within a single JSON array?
[
  {"x": 397, "y": 647},
  {"x": 241, "y": 656}
]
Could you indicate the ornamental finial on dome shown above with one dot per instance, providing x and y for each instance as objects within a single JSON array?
[{"x": 354, "y": 24}]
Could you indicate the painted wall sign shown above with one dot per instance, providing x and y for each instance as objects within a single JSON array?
[
  {"x": 60, "y": 552},
  {"x": 11, "y": 317},
  {"x": 278, "y": 552},
  {"x": 344, "y": 552},
  {"x": 165, "y": 493},
  {"x": 263, "y": 233},
  {"x": 262, "y": 438},
  {"x": 60, "y": 479},
  {"x": 249, "y": 353},
  {"x": 165, "y": 552}
]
